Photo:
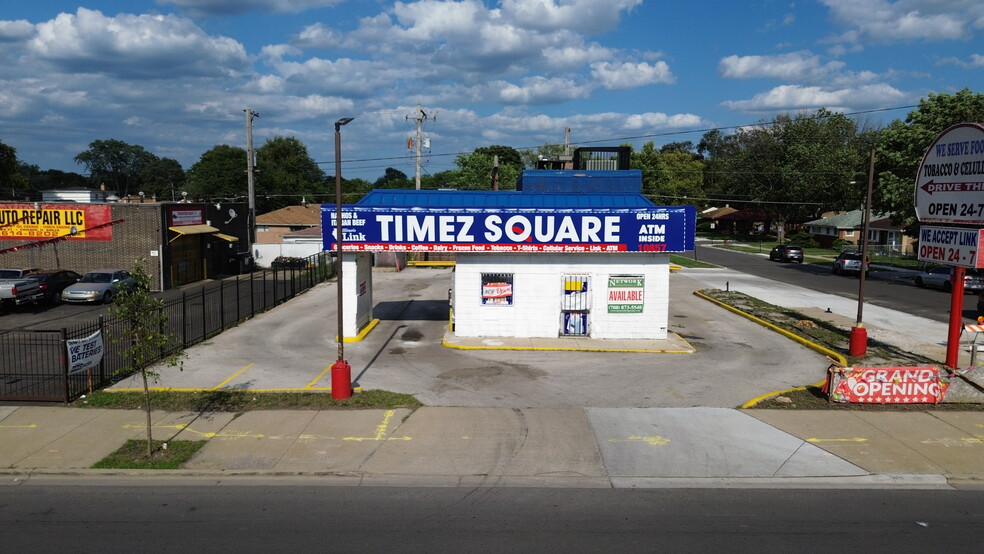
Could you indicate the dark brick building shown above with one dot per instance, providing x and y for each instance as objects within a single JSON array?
[{"x": 181, "y": 242}]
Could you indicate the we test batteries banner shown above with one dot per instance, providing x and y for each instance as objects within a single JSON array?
[{"x": 379, "y": 229}]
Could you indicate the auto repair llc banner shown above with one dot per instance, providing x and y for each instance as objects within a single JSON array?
[
  {"x": 47, "y": 221},
  {"x": 379, "y": 229}
]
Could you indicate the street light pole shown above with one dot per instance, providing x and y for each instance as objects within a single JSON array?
[
  {"x": 341, "y": 372},
  {"x": 858, "y": 342}
]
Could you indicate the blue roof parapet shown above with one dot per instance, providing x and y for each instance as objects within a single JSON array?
[
  {"x": 571, "y": 181},
  {"x": 405, "y": 198}
]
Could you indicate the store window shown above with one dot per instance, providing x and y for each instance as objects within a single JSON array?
[{"x": 497, "y": 289}]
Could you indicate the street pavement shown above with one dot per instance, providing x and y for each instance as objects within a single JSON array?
[{"x": 521, "y": 413}]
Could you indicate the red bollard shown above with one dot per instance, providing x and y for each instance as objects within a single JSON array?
[
  {"x": 859, "y": 342},
  {"x": 341, "y": 380}
]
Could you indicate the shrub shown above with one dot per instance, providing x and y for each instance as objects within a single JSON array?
[{"x": 803, "y": 239}]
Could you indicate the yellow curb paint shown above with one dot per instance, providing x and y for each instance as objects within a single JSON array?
[
  {"x": 445, "y": 343},
  {"x": 654, "y": 440},
  {"x": 856, "y": 439},
  {"x": 839, "y": 358},
  {"x": 169, "y": 389},
  {"x": 362, "y": 334}
]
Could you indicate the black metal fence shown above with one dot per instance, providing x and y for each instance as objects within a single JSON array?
[{"x": 34, "y": 365}]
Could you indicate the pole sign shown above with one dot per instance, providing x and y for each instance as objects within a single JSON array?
[
  {"x": 384, "y": 229},
  {"x": 951, "y": 246},
  {"x": 950, "y": 181}
]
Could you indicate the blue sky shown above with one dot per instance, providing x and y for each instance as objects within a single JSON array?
[{"x": 174, "y": 76}]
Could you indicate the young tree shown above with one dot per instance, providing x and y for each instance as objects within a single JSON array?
[{"x": 143, "y": 335}]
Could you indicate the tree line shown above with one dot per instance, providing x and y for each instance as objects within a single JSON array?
[{"x": 793, "y": 167}]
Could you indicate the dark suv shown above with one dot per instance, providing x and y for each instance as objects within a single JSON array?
[{"x": 787, "y": 253}]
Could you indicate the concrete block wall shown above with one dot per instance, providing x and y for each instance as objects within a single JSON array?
[{"x": 538, "y": 290}]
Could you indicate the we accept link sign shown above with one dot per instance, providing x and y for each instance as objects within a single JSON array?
[{"x": 378, "y": 229}]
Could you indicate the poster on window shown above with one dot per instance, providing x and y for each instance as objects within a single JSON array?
[
  {"x": 625, "y": 294},
  {"x": 497, "y": 289}
]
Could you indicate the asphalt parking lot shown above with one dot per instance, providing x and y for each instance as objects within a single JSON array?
[{"x": 292, "y": 346}]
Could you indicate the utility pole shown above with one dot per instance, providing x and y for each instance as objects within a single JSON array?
[
  {"x": 251, "y": 220},
  {"x": 420, "y": 117},
  {"x": 495, "y": 172}
]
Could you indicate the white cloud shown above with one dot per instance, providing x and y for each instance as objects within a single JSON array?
[
  {"x": 655, "y": 120},
  {"x": 540, "y": 90},
  {"x": 155, "y": 46},
  {"x": 16, "y": 31},
  {"x": 793, "y": 97},
  {"x": 974, "y": 61},
  {"x": 211, "y": 8},
  {"x": 585, "y": 16},
  {"x": 907, "y": 20},
  {"x": 626, "y": 75},
  {"x": 795, "y": 66}
]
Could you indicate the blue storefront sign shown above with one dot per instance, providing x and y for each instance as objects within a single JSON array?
[{"x": 384, "y": 229}]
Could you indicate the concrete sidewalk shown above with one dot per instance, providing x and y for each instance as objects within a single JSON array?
[{"x": 572, "y": 447}]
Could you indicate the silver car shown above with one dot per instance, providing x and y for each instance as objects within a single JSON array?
[
  {"x": 939, "y": 278},
  {"x": 100, "y": 285}
]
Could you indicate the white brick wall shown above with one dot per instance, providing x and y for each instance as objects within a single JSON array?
[{"x": 537, "y": 292}]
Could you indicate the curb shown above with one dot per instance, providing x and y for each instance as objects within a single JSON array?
[{"x": 923, "y": 481}]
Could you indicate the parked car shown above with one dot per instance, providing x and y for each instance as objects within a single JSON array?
[
  {"x": 53, "y": 281},
  {"x": 16, "y": 288},
  {"x": 849, "y": 262},
  {"x": 787, "y": 253},
  {"x": 939, "y": 277},
  {"x": 100, "y": 285}
]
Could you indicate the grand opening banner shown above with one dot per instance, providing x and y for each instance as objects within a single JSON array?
[
  {"x": 48, "y": 221},
  {"x": 381, "y": 229}
]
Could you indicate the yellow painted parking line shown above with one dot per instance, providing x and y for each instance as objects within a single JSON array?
[
  {"x": 28, "y": 426},
  {"x": 207, "y": 435},
  {"x": 855, "y": 439},
  {"x": 380, "y": 431},
  {"x": 950, "y": 441},
  {"x": 653, "y": 441},
  {"x": 233, "y": 376},
  {"x": 318, "y": 378}
]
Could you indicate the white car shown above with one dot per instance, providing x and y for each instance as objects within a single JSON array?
[
  {"x": 939, "y": 278},
  {"x": 100, "y": 285}
]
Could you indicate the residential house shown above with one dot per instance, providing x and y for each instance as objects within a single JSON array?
[
  {"x": 272, "y": 226},
  {"x": 848, "y": 226}
]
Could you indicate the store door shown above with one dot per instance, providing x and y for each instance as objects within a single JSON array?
[{"x": 575, "y": 307}]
